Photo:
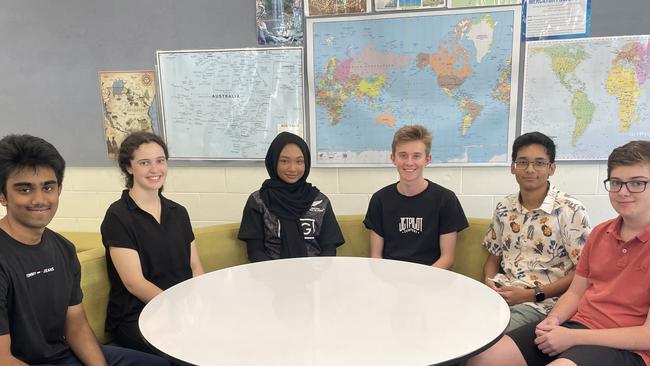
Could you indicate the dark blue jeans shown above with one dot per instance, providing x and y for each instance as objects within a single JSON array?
[{"x": 116, "y": 356}]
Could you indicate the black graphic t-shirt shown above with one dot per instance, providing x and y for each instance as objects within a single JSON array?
[
  {"x": 37, "y": 285},
  {"x": 320, "y": 230},
  {"x": 411, "y": 225}
]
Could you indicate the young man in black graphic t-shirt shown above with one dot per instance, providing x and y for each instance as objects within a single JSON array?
[
  {"x": 42, "y": 320},
  {"x": 414, "y": 220}
]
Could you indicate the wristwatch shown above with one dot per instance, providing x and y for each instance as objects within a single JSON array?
[{"x": 539, "y": 294}]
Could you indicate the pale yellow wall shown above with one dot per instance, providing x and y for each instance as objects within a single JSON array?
[{"x": 217, "y": 195}]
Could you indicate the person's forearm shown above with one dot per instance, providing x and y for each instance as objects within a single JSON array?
[
  {"x": 83, "y": 343},
  {"x": 10, "y": 360},
  {"x": 630, "y": 338},
  {"x": 197, "y": 269},
  {"x": 444, "y": 262},
  {"x": 88, "y": 352},
  {"x": 491, "y": 267},
  {"x": 143, "y": 290},
  {"x": 376, "y": 245},
  {"x": 558, "y": 287},
  {"x": 6, "y": 357},
  {"x": 565, "y": 307}
]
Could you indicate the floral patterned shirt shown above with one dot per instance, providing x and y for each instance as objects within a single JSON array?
[{"x": 539, "y": 246}]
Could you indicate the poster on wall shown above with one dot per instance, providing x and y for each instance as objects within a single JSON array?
[
  {"x": 454, "y": 72},
  {"x": 383, "y": 5},
  {"x": 279, "y": 22},
  {"x": 335, "y": 7},
  {"x": 556, "y": 19},
  {"x": 229, "y": 104},
  {"x": 128, "y": 105},
  {"x": 591, "y": 95}
]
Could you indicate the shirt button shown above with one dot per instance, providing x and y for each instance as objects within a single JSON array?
[{"x": 624, "y": 251}]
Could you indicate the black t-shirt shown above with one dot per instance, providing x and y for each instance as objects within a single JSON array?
[
  {"x": 411, "y": 225},
  {"x": 164, "y": 250},
  {"x": 321, "y": 232},
  {"x": 37, "y": 285}
]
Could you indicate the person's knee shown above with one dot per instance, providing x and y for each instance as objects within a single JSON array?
[
  {"x": 504, "y": 352},
  {"x": 562, "y": 362}
]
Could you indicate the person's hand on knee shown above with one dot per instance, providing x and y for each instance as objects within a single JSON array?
[{"x": 555, "y": 341}]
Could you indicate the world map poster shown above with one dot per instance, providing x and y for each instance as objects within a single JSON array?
[
  {"x": 590, "y": 95},
  {"x": 454, "y": 72}
]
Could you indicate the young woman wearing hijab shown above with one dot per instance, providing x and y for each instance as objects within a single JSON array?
[
  {"x": 288, "y": 217},
  {"x": 148, "y": 239}
]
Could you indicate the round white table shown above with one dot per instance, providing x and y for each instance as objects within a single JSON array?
[{"x": 325, "y": 311}]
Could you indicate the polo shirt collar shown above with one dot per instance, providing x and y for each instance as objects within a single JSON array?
[
  {"x": 131, "y": 205},
  {"x": 614, "y": 228}
]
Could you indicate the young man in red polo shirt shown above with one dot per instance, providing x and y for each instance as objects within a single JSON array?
[{"x": 602, "y": 319}]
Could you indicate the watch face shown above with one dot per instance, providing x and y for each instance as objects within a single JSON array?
[{"x": 539, "y": 295}]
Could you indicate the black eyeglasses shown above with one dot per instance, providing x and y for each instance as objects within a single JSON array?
[
  {"x": 633, "y": 186},
  {"x": 537, "y": 164}
]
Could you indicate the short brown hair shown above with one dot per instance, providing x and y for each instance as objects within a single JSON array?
[
  {"x": 632, "y": 153},
  {"x": 410, "y": 133},
  {"x": 130, "y": 144}
]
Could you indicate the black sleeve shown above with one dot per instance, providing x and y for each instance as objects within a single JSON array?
[
  {"x": 4, "y": 303},
  {"x": 373, "y": 219},
  {"x": 330, "y": 235},
  {"x": 115, "y": 233},
  {"x": 76, "y": 295},
  {"x": 252, "y": 221},
  {"x": 187, "y": 231},
  {"x": 452, "y": 216},
  {"x": 256, "y": 252}
]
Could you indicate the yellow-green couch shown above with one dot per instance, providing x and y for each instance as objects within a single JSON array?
[{"x": 219, "y": 248}]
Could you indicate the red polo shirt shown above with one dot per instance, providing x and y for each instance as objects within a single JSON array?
[{"x": 617, "y": 271}]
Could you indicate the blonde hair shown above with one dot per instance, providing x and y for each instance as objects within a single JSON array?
[{"x": 410, "y": 133}]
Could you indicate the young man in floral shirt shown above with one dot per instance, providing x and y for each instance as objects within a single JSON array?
[{"x": 536, "y": 235}]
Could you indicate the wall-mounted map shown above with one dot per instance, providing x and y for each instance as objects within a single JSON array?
[
  {"x": 128, "y": 105},
  {"x": 591, "y": 95},
  {"x": 452, "y": 71},
  {"x": 230, "y": 104}
]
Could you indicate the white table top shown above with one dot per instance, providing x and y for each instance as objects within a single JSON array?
[{"x": 325, "y": 311}]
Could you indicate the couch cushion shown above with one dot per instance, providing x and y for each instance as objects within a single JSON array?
[
  {"x": 95, "y": 286},
  {"x": 218, "y": 246},
  {"x": 83, "y": 240},
  {"x": 470, "y": 254}
]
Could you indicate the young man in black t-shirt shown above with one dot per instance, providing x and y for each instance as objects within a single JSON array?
[
  {"x": 42, "y": 320},
  {"x": 414, "y": 220}
]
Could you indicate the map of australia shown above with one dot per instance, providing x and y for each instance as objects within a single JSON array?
[
  {"x": 449, "y": 71},
  {"x": 596, "y": 97}
]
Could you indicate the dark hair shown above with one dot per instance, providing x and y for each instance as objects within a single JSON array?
[
  {"x": 534, "y": 138},
  {"x": 632, "y": 153},
  {"x": 25, "y": 151},
  {"x": 129, "y": 145},
  {"x": 410, "y": 133}
]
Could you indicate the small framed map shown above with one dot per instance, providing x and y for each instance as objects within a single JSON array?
[
  {"x": 128, "y": 105},
  {"x": 335, "y": 7}
]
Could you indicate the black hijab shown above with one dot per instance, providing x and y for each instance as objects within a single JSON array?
[{"x": 288, "y": 201}]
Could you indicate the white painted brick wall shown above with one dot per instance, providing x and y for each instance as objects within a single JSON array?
[{"x": 216, "y": 195}]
